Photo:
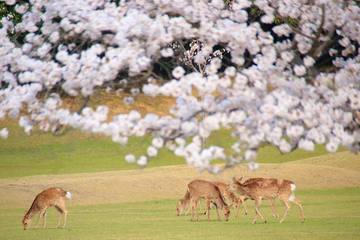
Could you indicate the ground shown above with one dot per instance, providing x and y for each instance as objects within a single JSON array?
[{"x": 116, "y": 200}]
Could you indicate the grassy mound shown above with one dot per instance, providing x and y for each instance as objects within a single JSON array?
[{"x": 76, "y": 152}]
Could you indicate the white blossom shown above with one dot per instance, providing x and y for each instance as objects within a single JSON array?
[
  {"x": 142, "y": 161},
  {"x": 250, "y": 155},
  {"x": 4, "y": 133},
  {"x": 309, "y": 61},
  {"x": 306, "y": 145},
  {"x": 158, "y": 142},
  {"x": 130, "y": 158},
  {"x": 284, "y": 146},
  {"x": 10, "y": 2},
  {"x": 299, "y": 70},
  {"x": 178, "y": 72},
  {"x": 152, "y": 151},
  {"x": 167, "y": 52},
  {"x": 253, "y": 166}
]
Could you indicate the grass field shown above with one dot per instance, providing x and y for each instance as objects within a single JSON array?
[
  {"x": 74, "y": 152},
  {"x": 330, "y": 214}
]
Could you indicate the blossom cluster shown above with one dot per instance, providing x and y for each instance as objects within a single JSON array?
[{"x": 273, "y": 92}]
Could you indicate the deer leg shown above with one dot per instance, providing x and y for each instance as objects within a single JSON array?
[
  {"x": 60, "y": 214},
  {"x": 241, "y": 202},
  {"x": 62, "y": 210},
  {"x": 297, "y": 203},
  {"x": 192, "y": 209},
  {"x": 65, "y": 217},
  {"x": 255, "y": 218},
  {"x": 43, "y": 216},
  {"x": 59, "y": 219},
  {"x": 187, "y": 211},
  {"x": 188, "y": 208},
  {"x": 208, "y": 209},
  {"x": 257, "y": 205},
  {"x": 238, "y": 208},
  {"x": 199, "y": 204},
  {"x": 38, "y": 221},
  {"x": 273, "y": 209},
  {"x": 194, "y": 203},
  {"x": 205, "y": 212},
  {"x": 286, "y": 210},
  {"x": 197, "y": 212},
  {"x": 245, "y": 210},
  {"x": 217, "y": 212}
]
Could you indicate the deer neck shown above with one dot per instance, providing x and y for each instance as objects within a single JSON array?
[
  {"x": 30, "y": 213},
  {"x": 243, "y": 188}
]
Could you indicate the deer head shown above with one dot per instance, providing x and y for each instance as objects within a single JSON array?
[
  {"x": 180, "y": 207},
  {"x": 26, "y": 221}
]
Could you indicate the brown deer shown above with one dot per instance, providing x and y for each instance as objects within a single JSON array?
[
  {"x": 231, "y": 198},
  {"x": 51, "y": 197},
  {"x": 183, "y": 204},
  {"x": 211, "y": 193},
  {"x": 260, "y": 189}
]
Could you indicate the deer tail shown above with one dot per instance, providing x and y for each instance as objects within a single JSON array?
[
  {"x": 292, "y": 187},
  {"x": 68, "y": 195}
]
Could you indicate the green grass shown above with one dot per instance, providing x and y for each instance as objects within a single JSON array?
[
  {"x": 267, "y": 154},
  {"x": 330, "y": 214},
  {"x": 75, "y": 152}
]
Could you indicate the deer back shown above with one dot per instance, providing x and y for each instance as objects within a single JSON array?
[{"x": 205, "y": 189}]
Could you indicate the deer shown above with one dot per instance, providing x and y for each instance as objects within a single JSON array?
[
  {"x": 211, "y": 193},
  {"x": 183, "y": 204},
  {"x": 259, "y": 189},
  {"x": 51, "y": 197},
  {"x": 237, "y": 201}
]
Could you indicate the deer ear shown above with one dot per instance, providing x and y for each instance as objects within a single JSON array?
[
  {"x": 237, "y": 179},
  {"x": 234, "y": 180}
]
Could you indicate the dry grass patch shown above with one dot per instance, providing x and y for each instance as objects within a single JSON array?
[{"x": 170, "y": 182}]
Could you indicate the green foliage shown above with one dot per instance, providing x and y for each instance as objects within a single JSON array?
[
  {"x": 330, "y": 214},
  {"x": 255, "y": 13},
  {"x": 9, "y": 12},
  {"x": 73, "y": 152},
  {"x": 288, "y": 20}
]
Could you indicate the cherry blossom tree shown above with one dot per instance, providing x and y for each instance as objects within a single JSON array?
[{"x": 290, "y": 84}]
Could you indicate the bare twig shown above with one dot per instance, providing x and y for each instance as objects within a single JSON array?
[{"x": 298, "y": 31}]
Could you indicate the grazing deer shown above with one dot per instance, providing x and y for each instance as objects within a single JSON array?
[
  {"x": 51, "y": 197},
  {"x": 183, "y": 204},
  {"x": 260, "y": 189},
  {"x": 211, "y": 193},
  {"x": 231, "y": 198}
]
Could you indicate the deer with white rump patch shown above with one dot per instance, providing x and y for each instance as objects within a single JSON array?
[
  {"x": 51, "y": 197},
  {"x": 260, "y": 189}
]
